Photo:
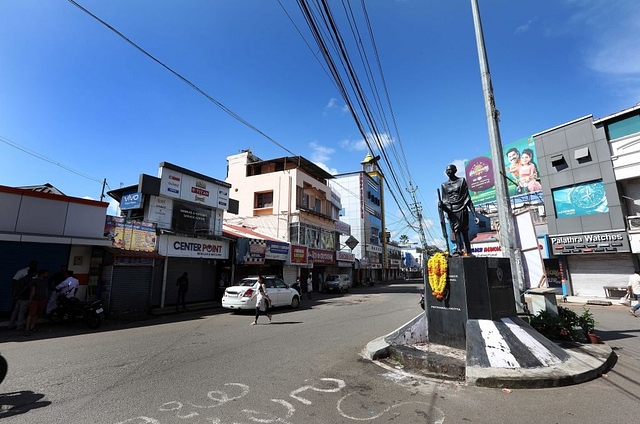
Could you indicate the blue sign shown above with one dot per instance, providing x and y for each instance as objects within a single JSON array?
[{"x": 131, "y": 201}]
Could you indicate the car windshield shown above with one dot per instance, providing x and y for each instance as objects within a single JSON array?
[
  {"x": 332, "y": 278},
  {"x": 247, "y": 282}
]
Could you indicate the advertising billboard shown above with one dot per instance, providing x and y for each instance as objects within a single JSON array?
[
  {"x": 580, "y": 199},
  {"x": 520, "y": 168}
]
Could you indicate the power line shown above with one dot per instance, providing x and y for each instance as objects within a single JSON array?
[
  {"x": 46, "y": 159},
  {"x": 183, "y": 79}
]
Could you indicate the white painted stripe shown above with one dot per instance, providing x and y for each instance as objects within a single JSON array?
[
  {"x": 498, "y": 351},
  {"x": 535, "y": 347}
]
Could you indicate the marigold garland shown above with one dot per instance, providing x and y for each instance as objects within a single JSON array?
[{"x": 437, "y": 268}]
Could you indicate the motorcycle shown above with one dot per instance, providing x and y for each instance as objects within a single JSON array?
[
  {"x": 422, "y": 299},
  {"x": 71, "y": 309}
]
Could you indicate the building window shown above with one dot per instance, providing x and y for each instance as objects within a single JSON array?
[
  {"x": 318, "y": 205},
  {"x": 627, "y": 126},
  {"x": 263, "y": 200}
]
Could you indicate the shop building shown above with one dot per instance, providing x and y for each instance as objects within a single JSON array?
[
  {"x": 581, "y": 175},
  {"x": 289, "y": 200},
  {"x": 41, "y": 223},
  {"x": 186, "y": 211}
]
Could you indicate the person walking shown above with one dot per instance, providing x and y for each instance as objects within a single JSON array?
[
  {"x": 262, "y": 301},
  {"x": 634, "y": 290},
  {"x": 37, "y": 299},
  {"x": 309, "y": 285},
  {"x": 21, "y": 295},
  {"x": 183, "y": 288}
]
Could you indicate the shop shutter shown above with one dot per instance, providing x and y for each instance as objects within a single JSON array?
[
  {"x": 590, "y": 273},
  {"x": 289, "y": 274},
  {"x": 17, "y": 255},
  {"x": 202, "y": 279},
  {"x": 130, "y": 289}
]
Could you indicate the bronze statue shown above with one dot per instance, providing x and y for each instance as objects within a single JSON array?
[{"x": 456, "y": 203}]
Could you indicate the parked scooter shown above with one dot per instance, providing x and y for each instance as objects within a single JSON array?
[
  {"x": 422, "y": 299},
  {"x": 71, "y": 309}
]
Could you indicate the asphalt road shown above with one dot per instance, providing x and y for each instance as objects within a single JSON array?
[{"x": 213, "y": 367}]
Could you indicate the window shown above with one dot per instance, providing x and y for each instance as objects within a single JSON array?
[
  {"x": 318, "y": 205},
  {"x": 626, "y": 126},
  {"x": 263, "y": 200}
]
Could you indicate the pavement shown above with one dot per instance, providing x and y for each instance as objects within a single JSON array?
[
  {"x": 407, "y": 348},
  {"x": 545, "y": 363}
]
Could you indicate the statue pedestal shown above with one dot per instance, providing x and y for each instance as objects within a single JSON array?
[{"x": 479, "y": 288}]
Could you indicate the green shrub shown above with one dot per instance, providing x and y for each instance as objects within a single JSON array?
[{"x": 568, "y": 325}]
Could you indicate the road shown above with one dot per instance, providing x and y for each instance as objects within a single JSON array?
[{"x": 303, "y": 368}]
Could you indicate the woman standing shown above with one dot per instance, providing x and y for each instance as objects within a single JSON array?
[{"x": 263, "y": 300}]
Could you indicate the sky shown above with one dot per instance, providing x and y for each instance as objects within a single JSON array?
[{"x": 79, "y": 104}]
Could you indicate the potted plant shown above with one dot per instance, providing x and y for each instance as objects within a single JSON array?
[{"x": 588, "y": 324}]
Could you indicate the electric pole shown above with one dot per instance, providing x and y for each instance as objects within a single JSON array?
[{"x": 507, "y": 230}]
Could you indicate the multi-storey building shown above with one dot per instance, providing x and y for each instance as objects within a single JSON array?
[
  {"x": 289, "y": 199},
  {"x": 362, "y": 197}
]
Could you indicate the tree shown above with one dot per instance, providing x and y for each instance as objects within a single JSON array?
[{"x": 404, "y": 239}]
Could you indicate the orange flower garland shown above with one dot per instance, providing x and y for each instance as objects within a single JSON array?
[{"x": 437, "y": 267}]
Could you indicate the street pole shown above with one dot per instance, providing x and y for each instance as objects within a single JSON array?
[{"x": 505, "y": 215}]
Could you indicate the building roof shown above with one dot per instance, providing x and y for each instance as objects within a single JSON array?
[
  {"x": 237, "y": 231},
  {"x": 44, "y": 188},
  {"x": 304, "y": 164},
  {"x": 485, "y": 237},
  {"x": 617, "y": 114}
]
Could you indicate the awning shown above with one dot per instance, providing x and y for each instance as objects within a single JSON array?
[
  {"x": 122, "y": 253},
  {"x": 237, "y": 231}
]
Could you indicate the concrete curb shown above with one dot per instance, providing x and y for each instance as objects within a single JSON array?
[{"x": 585, "y": 362}]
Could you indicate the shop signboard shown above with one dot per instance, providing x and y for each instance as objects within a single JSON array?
[
  {"x": 322, "y": 257},
  {"x": 589, "y": 243},
  {"x": 298, "y": 254},
  {"x": 277, "y": 250},
  {"x": 160, "y": 211},
  {"x": 190, "y": 247},
  {"x": 131, "y": 201},
  {"x": 192, "y": 188},
  {"x": 345, "y": 256}
]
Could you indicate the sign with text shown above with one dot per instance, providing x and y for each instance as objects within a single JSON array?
[
  {"x": 587, "y": 243},
  {"x": 323, "y": 257},
  {"x": 298, "y": 254},
  {"x": 190, "y": 188},
  {"x": 160, "y": 211},
  {"x": 131, "y": 201},
  {"x": 189, "y": 247}
]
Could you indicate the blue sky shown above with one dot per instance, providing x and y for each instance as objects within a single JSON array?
[{"x": 75, "y": 93}]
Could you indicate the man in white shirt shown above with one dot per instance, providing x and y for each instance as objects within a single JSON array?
[{"x": 69, "y": 286}]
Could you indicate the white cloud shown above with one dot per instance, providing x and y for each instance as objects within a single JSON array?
[
  {"x": 525, "y": 27},
  {"x": 321, "y": 154},
  {"x": 332, "y": 171},
  {"x": 608, "y": 33},
  {"x": 360, "y": 145},
  {"x": 333, "y": 104}
]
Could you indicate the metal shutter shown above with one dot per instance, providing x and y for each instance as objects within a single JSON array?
[
  {"x": 590, "y": 273},
  {"x": 130, "y": 289},
  {"x": 202, "y": 279},
  {"x": 289, "y": 274}
]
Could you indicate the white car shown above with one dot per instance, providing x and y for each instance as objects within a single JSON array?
[{"x": 239, "y": 296}]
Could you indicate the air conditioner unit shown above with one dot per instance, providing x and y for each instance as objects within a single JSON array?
[{"x": 633, "y": 223}]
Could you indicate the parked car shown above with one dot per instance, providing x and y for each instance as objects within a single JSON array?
[
  {"x": 239, "y": 296},
  {"x": 337, "y": 282}
]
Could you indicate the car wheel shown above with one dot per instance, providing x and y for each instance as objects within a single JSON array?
[{"x": 295, "y": 302}]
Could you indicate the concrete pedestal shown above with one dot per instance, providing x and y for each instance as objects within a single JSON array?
[
  {"x": 543, "y": 300},
  {"x": 479, "y": 288}
]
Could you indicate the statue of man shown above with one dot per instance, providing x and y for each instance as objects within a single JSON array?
[{"x": 456, "y": 203}]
